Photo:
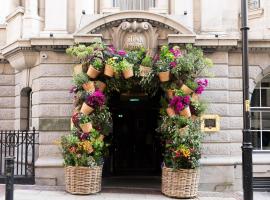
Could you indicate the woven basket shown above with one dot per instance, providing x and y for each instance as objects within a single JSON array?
[
  {"x": 181, "y": 183},
  {"x": 83, "y": 180}
]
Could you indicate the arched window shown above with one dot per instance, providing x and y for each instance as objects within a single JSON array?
[
  {"x": 26, "y": 109},
  {"x": 260, "y": 115}
]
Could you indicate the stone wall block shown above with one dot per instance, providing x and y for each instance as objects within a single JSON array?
[
  {"x": 235, "y": 84},
  {"x": 235, "y": 97},
  {"x": 52, "y": 83},
  {"x": 218, "y": 57},
  {"x": 51, "y": 137},
  {"x": 7, "y": 91},
  {"x": 6, "y": 69},
  {"x": 7, "y": 113},
  {"x": 217, "y": 174},
  {"x": 7, "y": 125},
  {"x": 47, "y": 110},
  {"x": 56, "y": 57},
  {"x": 54, "y": 124},
  {"x": 51, "y": 97},
  {"x": 216, "y": 149},
  {"x": 217, "y": 109},
  {"x": 7, "y": 80},
  {"x": 49, "y": 150},
  {"x": 218, "y": 83},
  {"x": 217, "y": 137},
  {"x": 7, "y": 102},
  {"x": 215, "y": 96},
  {"x": 219, "y": 70},
  {"x": 235, "y": 110}
]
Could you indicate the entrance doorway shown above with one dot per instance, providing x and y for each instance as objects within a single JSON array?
[{"x": 136, "y": 147}]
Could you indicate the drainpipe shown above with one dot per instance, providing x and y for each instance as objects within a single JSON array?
[{"x": 247, "y": 137}]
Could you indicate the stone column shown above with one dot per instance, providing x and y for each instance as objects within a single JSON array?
[
  {"x": 83, "y": 5},
  {"x": 55, "y": 17},
  {"x": 31, "y": 20}
]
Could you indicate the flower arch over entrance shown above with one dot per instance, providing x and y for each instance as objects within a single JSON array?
[{"x": 104, "y": 70}]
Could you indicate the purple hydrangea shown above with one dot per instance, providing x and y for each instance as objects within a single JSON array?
[
  {"x": 96, "y": 99},
  {"x": 121, "y": 53}
]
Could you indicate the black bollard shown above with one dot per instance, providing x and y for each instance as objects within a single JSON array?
[{"x": 9, "y": 172}]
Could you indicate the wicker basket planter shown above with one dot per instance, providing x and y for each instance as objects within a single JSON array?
[
  {"x": 83, "y": 180},
  {"x": 181, "y": 183}
]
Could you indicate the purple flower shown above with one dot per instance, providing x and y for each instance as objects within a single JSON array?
[
  {"x": 84, "y": 136},
  {"x": 96, "y": 99},
  {"x": 202, "y": 84},
  {"x": 173, "y": 64},
  {"x": 179, "y": 103},
  {"x": 121, "y": 53},
  {"x": 199, "y": 90},
  {"x": 176, "y": 52},
  {"x": 111, "y": 49},
  {"x": 73, "y": 89}
]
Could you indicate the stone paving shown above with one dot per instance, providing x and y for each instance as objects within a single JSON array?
[{"x": 58, "y": 193}]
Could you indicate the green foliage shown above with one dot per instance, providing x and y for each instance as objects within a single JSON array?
[
  {"x": 179, "y": 93},
  {"x": 84, "y": 119},
  {"x": 136, "y": 56},
  {"x": 150, "y": 83},
  {"x": 198, "y": 107},
  {"x": 97, "y": 64},
  {"x": 124, "y": 65},
  {"x": 80, "y": 79},
  {"x": 191, "y": 84},
  {"x": 184, "y": 151},
  {"x": 147, "y": 61},
  {"x": 80, "y": 51},
  {"x": 162, "y": 66}
]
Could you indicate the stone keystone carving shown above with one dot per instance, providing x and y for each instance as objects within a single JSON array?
[{"x": 130, "y": 35}]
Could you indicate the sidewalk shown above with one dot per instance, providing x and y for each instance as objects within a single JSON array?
[{"x": 57, "y": 193}]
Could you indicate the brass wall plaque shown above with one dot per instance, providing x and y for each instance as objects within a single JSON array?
[{"x": 210, "y": 123}]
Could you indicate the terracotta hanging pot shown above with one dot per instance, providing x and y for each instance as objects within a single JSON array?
[
  {"x": 89, "y": 86},
  {"x": 186, "y": 89},
  {"x": 100, "y": 85},
  {"x": 170, "y": 93},
  {"x": 85, "y": 109},
  {"x": 195, "y": 97},
  {"x": 108, "y": 71},
  {"x": 182, "y": 131},
  {"x": 144, "y": 70},
  {"x": 170, "y": 111},
  {"x": 164, "y": 76},
  {"x": 86, "y": 128},
  {"x": 128, "y": 73},
  {"x": 92, "y": 72},
  {"x": 186, "y": 112},
  {"x": 194, "y": 117},
  {"x": 77, "y": 69}
]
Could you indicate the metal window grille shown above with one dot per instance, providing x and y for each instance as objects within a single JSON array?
[
  {"x": 21, "y": 145},
  {"x": 260, "y": 115},
  {"x": 254, "y": 4}
]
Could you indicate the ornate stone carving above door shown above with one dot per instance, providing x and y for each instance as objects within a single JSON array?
[{"x": 134, "y": 29}]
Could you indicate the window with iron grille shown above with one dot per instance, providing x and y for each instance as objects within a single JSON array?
[
  {"x": 254, "y": 4},
  {"x": 134, "y": 4},
  {"x": 260, "y": 115}
]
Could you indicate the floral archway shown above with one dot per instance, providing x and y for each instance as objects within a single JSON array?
[{"x": 104, "y": 70}]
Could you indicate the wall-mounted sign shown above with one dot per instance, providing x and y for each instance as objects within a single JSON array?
[
  {"x": 210, "y": 123},
  {"x": 134, "y": 41}
]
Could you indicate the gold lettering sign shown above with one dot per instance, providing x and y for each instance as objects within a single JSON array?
[
  {"x": 134, "y": 41},
  {"x": 210, "y": 123}
]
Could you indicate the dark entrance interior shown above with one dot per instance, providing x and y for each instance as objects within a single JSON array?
[{"x": 136, "y": 147}]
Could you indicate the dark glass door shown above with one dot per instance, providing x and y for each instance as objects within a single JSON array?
[{"x": 135, "y": 146}]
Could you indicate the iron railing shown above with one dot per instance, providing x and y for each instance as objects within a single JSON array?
[{"x": 21, "y": 145}]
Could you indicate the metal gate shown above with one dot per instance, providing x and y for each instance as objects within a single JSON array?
[{"x": 21, "y": 145}]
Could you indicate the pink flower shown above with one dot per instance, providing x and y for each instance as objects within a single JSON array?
[
  {"x": 111, "y": 49},
  {"x": 179, "y": 103},
  {"x": 121, "y": 53},
  {"x": 202, "y": 84},
  {"x": 176, "y": 52},
  {"x": 173, "y": 64},
  {"x": 96, "y": 99}
]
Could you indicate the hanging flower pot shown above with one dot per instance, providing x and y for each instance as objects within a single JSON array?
[
  {"x": 186, "y": 112},
  {"x": 182, "y": 131},
  {"x": 170, "y": 93},
  {"x": 195, "y": 97},
  {"x": 85, "y": 109},
  {"x": 164, "y": 76},
  {"x": 100, "y": 85},
  {"x": 92, "y": 72},
  {"x": 77, "y": 69},
  {"x": 186, "y": 89},
  {"x": 128, "y": 73},
  {"x": 89, "y": 86},
  {"x": 87, "y": 127},
  {"x": 180, "y": 183},
  {"x": 108, "y": 71},
  {"x": 144, "y": 70},
  {"x": 170, "y": 111}
]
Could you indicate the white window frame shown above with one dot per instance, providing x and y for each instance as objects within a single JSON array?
[{"x": 260, "y": 109}]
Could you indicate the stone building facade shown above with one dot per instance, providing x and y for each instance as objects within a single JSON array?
[{"x": 35, "y": 72}]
